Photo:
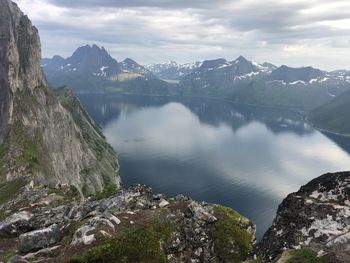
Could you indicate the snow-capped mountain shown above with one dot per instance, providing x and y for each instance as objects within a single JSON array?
[
  {"x": 221, "y": 73},
  {"x": 131, "y": 66},
  {"x": 91, "y": 60},
  {"x": 294, "y": 75},
  {"x": 245, "y": 81},
  {"x": 91, "y": 66},
  {"x": 171, "y": 70}
]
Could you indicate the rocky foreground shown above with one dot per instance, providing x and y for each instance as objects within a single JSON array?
[{"x": 133, "y": 225}]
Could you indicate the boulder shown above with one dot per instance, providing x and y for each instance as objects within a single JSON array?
[
  {"x": 38, "y": 239},
  {"x": 202, "y": 213},
  {"x": 16, "y": 224}
]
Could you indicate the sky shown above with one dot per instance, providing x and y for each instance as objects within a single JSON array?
[{"x": 292, "y": 32}]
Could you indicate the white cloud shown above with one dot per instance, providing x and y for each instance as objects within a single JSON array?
[{"x": 152, "y": 31}]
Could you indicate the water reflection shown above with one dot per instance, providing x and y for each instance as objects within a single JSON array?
[{"x": 243, "y": 157}]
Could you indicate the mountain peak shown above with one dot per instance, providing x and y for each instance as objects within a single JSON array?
[
  {"x": 290, "y": 75},
  {"x": 129, "y": 61},
  {"x": 25, "y": 47},
  {"x": 241, "y": 59},
  {"x": 213, "y": 63},
  {"x": 90, "y": 50}
]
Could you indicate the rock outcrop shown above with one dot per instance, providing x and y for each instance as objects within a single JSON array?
[
  {"x": 317, "y": 217},
  {"x": 42, "y": 138},
  {"x": 133, "y": 223}
]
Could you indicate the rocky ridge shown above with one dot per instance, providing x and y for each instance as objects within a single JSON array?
[
  {"x": 316, "y": 217},
  {"x": 54, "y": 225}
]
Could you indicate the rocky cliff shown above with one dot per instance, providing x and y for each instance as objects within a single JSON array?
[
  {"x": 44, "y": 139},
  {"x": 314, "y": 220}
]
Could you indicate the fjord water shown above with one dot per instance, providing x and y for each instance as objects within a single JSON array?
[{"x": 244, "y": 157}]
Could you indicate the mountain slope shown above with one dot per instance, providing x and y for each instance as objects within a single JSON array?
[
  {"x": 292, "y": 75},
  {"x": 220, "y": 77},
  {"x": 172, "y": 70},
  {"x": 40, "y": 139},
  {"x": 247, "y": 82},
  {"x": 333, "y": 116},
  {"x": 92, "y": 69}
]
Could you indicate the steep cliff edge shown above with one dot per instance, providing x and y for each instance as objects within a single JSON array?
[
  {"x": 316, "y": 219},
  {"x": 44, "y": 139}
]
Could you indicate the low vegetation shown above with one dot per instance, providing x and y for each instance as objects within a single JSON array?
[
  {"x": 108, "y": 191},
  {"x": 9, "y": 189},
  {"x": 305, "y": 255},
  {"x": 143, "y": 244},
  {"x": 228, "y": 234}
]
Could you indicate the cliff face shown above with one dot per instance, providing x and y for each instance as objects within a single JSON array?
[
  {"x": 19, "y": 60},
  {"x": 45, "y": 139}
]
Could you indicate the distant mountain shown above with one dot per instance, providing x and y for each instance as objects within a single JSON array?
[
  {"x": 129, "y": 65},
  {"x": 172, "y": 70},
  {"x": 265, "y": 84},
  {"x": 333, "y": 116},
  {"x": 218, "y": 77},
  {"x": 91, "y": 68},
  {"x": 91, "y": 60},
  {"x": 294, "y": 75},
  {"x": 269, "y": 66}
]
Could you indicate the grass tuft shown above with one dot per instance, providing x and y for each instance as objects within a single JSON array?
[
  {"x": 232, "y": 243},
  {"x": 142, "y": 244}
]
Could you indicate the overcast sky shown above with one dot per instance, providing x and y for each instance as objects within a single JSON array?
[{"x": 292, "y": 32}]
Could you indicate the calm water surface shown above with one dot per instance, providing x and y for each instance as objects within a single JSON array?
[{"x": 243, "y": 157}]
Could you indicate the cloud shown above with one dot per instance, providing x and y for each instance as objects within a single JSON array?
[
  {"x": 151, "y": 31},
  {"x": 138, "y": 3}
]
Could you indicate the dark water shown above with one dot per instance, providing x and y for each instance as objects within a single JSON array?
[{"x": 243, "y": 157}]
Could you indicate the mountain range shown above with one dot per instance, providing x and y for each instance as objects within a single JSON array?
[
  {"x": 91, "y": 68},
  {"x": 243, "y": 81},
  {"x": 171, "y": 70}
]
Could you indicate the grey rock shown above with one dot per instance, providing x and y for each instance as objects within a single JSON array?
[
  {"x": 81, "y": 236},
  {"x": 18, "y": 259},
  {"x": 203, "y": 213},
  {"x": 317, "y": 217},
  {"x": 38, "y": 239},
  {"x": 16, "y": 224}
]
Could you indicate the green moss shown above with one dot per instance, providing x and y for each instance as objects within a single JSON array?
[
  {"x": 8, "y": 190},
  {"x": 2, "y": 150},
  {"x": 3, "y": 215},
  {"x": 85, "y": 172},
  {"x": 305, "y": 255},
  {"x": 73, "y": 192},
  {"x": 137, "y": 245},
  {"x": 8, "y": 255},
  {"x": 231, "y": 242},
  {"x": 108, "y": 191},
  {"x": 31, "y": 156},
  {"x": 68, "y": 235}
]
